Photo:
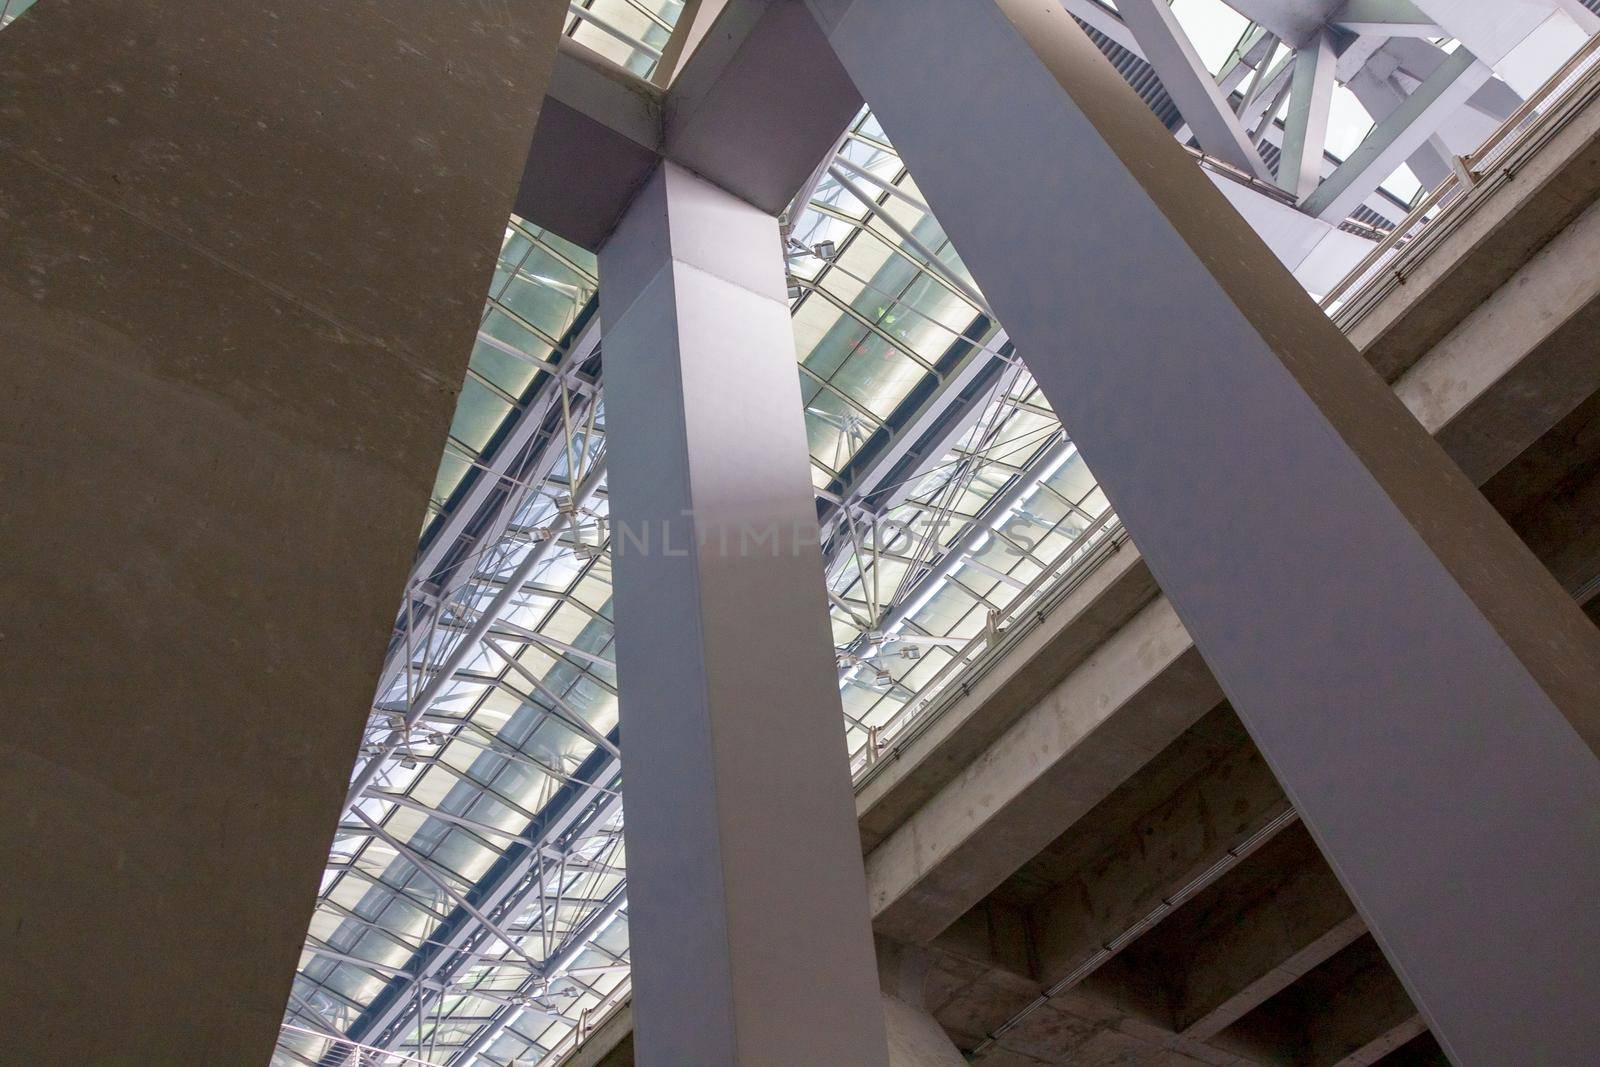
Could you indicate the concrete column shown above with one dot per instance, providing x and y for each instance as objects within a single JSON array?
[
  {"x": 243, "y": 252},
  {"x": 748, "y": 911},
  {"x": 1423, "y": 689},
  {"x": 915, "y": 1037}
]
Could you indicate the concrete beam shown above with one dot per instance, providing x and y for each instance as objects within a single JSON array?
[
  {"x": 910, "y": 773},
  {"x": 1497, "y": 228},
  {"x": 1252, "y": 933},
  {"x": 1420, "y": 1051},
  {"x": 1520, "y": 362},
  {"x": 1126, "y": 703},
  {"x": 1206, "y": 795},
  {"x": 915, "y": 1038},
  {"x": 1350, "y": 1010},
  {"x": 1555, "y": 491},
  {"x": 242, "y": 260},
  {"x": 972, "y": 997},
  {"x": 610, "y": 1045}
]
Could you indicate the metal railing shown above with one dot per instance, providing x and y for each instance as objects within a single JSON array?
[
  {"x": 1025, "y": 611},
  {"x": 345, "y": 1052},
  {"x": 1571, "y": 88}
]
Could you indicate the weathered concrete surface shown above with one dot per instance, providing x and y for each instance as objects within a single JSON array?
[
  {"x": 1551, "y": 494},
  {"x": 1250, "y": 934},
  {"x": 1111, "y": 716},
  {"x": 610, "y": 1045},
  {"x": 1486, "y": 239},
  {"x": 1350, "y": 1010},
  {"x": 1208, "y": 793},
  {"x": 916, "y": 1039},
  {"x": 912, "y": 771},
  {"x": 1520, "y": 362},
  {"x": 243, "y": 251}
]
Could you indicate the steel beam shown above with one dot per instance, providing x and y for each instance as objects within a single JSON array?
[
  {"x": 1266, "y": 93},
  {"x": 749, "y": 922},
  {"x": 470, "y": 642},
  {"x": 557, "y": 964},
  {"x": 1305, "y": 130},
  {"x": 583, "y": 801},
  {"x": 1203, "y": 106},
  {"x": 1397, "y": 136},
  {"x": 1316, "y": 543},
  {"x": 1385, "y": 18},
  {"x": 598, "y": 139},
  {"x": 1494, "y": 101},
  {"x": 1380, "y": 96}
]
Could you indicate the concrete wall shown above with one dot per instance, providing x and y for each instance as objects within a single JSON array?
[{"x": 243, "y": 250}]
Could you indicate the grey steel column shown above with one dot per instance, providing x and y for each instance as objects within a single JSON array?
[
  {"x": 1305, "y": 129},
  {"x": 748, "y": 915},
  {"x": 1424, "y": 690}
]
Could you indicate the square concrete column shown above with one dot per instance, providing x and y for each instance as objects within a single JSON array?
[
  {"x": 243, "y": 253},
  {"x": 747, "y": 899},
  {"x": 1426, "y": 693}
]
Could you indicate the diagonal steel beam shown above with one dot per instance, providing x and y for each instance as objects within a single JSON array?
[
  {"x": 1385, "y": 18},
  {"x": 1400, "y": 133},
  {"x": 1201, "y": 102},
  {"x": 1221, "y": 409},
  {"x": 1305, "y": 130}
]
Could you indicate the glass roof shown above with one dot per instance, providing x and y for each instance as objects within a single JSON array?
[
  {"x": 503, "y": 797},
  {"x": 630, "y": 33},
  {"x": 10, "y": 9}
]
